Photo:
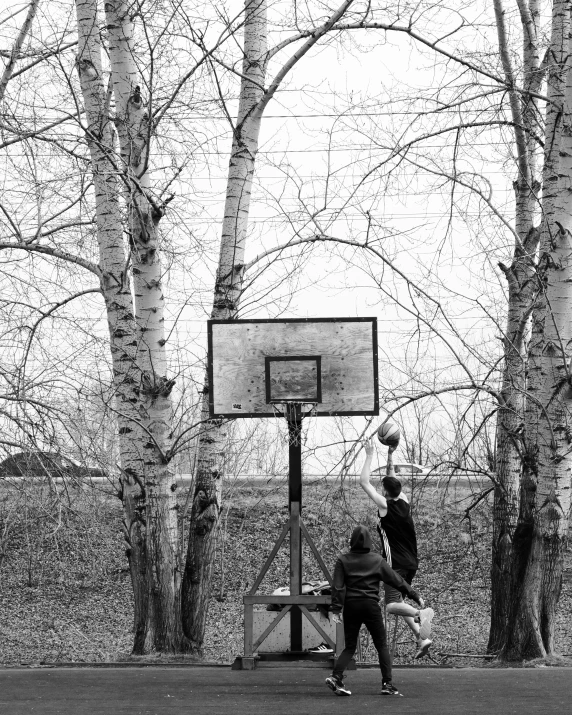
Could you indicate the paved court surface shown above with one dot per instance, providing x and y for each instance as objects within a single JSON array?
[{"x": 221, "y": 691}]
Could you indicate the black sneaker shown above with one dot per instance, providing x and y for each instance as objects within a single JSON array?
[
  {"x": 390, "y": 689},
  {"x": 337, "y": 685}
]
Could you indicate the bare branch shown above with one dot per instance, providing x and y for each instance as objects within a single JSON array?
[
  {"x": 24, "y": 30},
  {"x": 349, "y": 242},
  {"x": 468, "y": 510},
  {"x": 55, "y": 253},
  {"x": 36, "y": 325},
  {"x": 520, "y": 139},
  {"x": 50, "y": 52},
  {"x": 297, "y": 56},
  {"x": 23, "y": 135}
]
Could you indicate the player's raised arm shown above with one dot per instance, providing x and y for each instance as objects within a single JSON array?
[{"x": 365, "y": 484}]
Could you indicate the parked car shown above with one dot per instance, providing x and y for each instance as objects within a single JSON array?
[
  {"x": 405, "y": 469},
  {"x": 46, "y": 464}
]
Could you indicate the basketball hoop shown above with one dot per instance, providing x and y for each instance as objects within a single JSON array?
[
  {"x": 293, "y": 412},
  {"x": 329, "y": 363}
]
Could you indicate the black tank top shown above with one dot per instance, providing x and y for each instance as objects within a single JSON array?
[{"x": 397, "y": 532}]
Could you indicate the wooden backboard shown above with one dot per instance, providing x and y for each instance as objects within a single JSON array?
[{"x": 331, "y": 362}]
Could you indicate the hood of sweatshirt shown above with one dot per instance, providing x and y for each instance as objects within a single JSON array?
[{"x": 361, "y": 540}]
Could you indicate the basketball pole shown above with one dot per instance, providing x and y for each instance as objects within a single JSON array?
[{"x": 294, "y": 417}]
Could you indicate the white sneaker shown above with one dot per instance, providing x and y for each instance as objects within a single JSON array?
[
  {"x": 425, "y": 618},
  {"x": 423, "y": 646}
]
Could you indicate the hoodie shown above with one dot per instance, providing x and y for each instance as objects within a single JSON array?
[{"x": 359, "y": 573}]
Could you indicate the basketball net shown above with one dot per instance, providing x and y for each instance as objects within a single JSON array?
[{"x": 294, "y": 412}]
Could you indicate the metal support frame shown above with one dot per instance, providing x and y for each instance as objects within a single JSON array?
[{"x": 296, "y": 603}]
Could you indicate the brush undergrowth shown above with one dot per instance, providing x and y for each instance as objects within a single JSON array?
[{"x": 65, "y": 594}]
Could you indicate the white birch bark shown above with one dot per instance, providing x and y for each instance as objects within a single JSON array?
[
  {"x": 253, "y": 100},
  {"x": 206, "y": 505},
  {"x": 545, "y": 490},
  {"x": 112, "y": 260},
  {"x": 522, "y": 288},
  {"x": 133, "y": 126},
  {"x": 242, "y": 159}
]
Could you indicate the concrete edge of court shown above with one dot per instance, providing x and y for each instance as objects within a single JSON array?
[
  {"x": 364, "y": 666},
  {"x": 126, "y": 665}
]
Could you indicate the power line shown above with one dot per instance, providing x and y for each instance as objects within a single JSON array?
[
  {"x": 203, "y": 321},
  {"x": 288, "y": 219},
  {"x": 264, "y": 177},
  {"x": 353, "y": 147},
  {"x": 338, "y": 215},
  {"x": 317, "y": 115}
]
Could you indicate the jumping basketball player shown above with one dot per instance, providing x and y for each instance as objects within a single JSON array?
[{"x": 399, "y": 545}]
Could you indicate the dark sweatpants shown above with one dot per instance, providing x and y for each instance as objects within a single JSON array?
[{"x": 356, "y": 612}]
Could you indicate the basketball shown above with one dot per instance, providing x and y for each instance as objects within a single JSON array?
[{"x": 388, "y": 434}]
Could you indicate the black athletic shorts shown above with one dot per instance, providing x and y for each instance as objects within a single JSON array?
[{"x": 392, "y": 595}]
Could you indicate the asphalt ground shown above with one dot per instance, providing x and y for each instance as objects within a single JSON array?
[{"x": 284, "y": 691}]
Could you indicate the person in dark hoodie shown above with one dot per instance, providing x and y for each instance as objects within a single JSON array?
[{"x": 357, "y": 577}]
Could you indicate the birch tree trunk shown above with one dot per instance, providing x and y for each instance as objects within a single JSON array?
[
  {"x": 522, "y": 289},
  {"x": 545, "y": 488},
  {"x": 163, "y": 630},
  {"x": 254, "y": 98},
  {"x": 115, "y": 288},
  {"x": 206, "y": 504}
]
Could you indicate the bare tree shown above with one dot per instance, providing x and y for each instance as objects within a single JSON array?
[
  {"x": 540, "y": 535},
  {"x": 528, "y": 396},
  {"x": 253, "y": 101},
  {"x": 116, "y": 116},
  {"x": 107, "y": 229},
  {"x": 532, "y": 474}
]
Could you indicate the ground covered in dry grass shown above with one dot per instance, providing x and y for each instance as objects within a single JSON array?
[{"x": 65, "y": 593}]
